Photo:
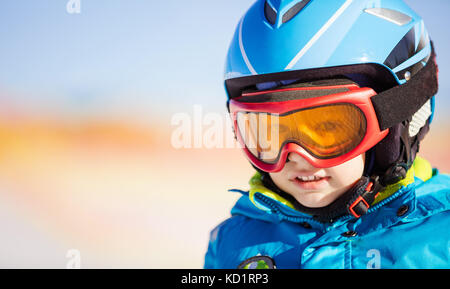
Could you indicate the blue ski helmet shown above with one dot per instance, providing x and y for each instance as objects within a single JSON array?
[{"x": 382, "y": 44}]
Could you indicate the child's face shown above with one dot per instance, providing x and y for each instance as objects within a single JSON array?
[{"x": 313, "y": 187}]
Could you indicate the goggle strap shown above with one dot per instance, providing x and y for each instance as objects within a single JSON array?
[{"x": 390, "y": 105}]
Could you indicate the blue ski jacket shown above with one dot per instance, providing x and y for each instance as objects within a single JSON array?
[{"x": 408, "y": 226}]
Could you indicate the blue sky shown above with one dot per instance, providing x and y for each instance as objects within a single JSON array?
[{"x": 140, "y": 57}]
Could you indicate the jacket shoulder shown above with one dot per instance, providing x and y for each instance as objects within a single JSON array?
[
  {"x": 239, "y": 238},
  {"x": 219, "y": 238},
  {"x": 433, "y": 195}
]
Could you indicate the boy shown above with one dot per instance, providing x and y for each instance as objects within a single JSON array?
[{"x": 330, "y": 100}]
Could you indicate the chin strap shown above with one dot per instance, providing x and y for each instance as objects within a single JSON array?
[
  {"x": 356, "y": 201},
  {"x": 367, "y": 192},
  {"x": 364, "y": 196}
]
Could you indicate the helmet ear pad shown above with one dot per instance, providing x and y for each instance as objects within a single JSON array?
[
  {"x": 415, "y": 147},
  {"x": 390, "y": 151}
]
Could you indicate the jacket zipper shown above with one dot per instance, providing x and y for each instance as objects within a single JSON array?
[{"x": 275, "y": 208}]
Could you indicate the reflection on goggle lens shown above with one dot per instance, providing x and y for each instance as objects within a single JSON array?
[{"x": 325, "y": 132}]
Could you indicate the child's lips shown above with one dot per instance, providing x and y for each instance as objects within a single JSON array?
[
  {"x": 307, "y": 175},
  {"x": 311, "y": 183}
]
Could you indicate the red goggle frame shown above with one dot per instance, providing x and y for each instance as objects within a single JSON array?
[{"x": 300, "y": 139}]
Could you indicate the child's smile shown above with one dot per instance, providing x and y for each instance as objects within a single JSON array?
[
  {"x": 317, "y": 187},
  {"x": 311, "y": 182}
]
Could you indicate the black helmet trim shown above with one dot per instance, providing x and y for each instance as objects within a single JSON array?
[{"x": 380, "y": 77}]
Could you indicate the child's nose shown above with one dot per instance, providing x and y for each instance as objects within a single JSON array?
[{"x": 300, "y": 161}]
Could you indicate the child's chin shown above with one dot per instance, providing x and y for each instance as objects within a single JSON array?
[{"x": 315, "y": 199}]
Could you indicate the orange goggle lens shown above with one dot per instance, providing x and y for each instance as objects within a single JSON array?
[{"x": 325, "y": 132}]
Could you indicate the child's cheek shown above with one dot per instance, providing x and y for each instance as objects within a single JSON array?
[{"x": 346, "y": 173}]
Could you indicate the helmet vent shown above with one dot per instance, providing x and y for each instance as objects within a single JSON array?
[
  {"x": 390, "y": 15},
  {"x": 294, "y": 10},
  {"x": 270, "y": 13}
]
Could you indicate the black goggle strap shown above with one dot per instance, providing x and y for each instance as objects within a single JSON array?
[{"x": 390, "y": 105}]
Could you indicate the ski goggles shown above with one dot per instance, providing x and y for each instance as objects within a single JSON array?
[{"x": 326, "y": 125}]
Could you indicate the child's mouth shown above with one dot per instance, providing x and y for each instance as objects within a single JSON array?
[{"x": 311, "y": 182}]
